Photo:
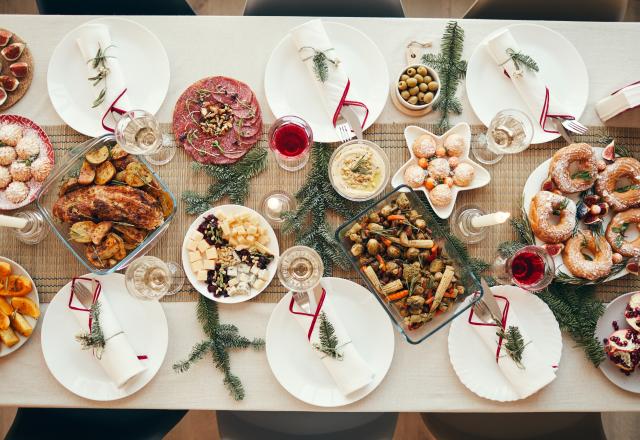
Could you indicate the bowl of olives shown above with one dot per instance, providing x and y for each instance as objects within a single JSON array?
[{"x": 418, "y": 87}]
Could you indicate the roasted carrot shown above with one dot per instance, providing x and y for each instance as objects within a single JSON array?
[
  {"x": 393, "y": 217},
  {"x": 386, "y": 241},
  {"x": 398, "y": 295},
  {"x": 451, "y": 293},
  {"x": 429, "y": 300},
  {"x": 434, "y": 249},
  {"x": 381, "y": 261}
]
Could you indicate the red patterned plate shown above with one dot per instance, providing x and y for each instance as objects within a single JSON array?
[{"x": 45, "y": 149}]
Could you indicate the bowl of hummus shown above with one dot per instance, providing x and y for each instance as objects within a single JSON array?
[{"x": 359, "y": 170}]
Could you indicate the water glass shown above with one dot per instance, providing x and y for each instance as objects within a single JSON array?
[
  {"x": 138, "y": 132},
  {"x": 509, "y": 132},
  {"x": 300, "y": 269},
  {"x": 150, "y": 278}
]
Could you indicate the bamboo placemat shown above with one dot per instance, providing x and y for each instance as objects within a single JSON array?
[{"x": 52, "y": 266}]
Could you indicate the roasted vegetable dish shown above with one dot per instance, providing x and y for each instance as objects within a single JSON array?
[
  {"x": 397, "y": 254},
  {"x": 111, "y": 203},
  {"x": 15, "y": 306}
]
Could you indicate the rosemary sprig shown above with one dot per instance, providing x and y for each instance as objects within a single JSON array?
[
  {"x": 521, "y": 59},
  {"x": 328, "y": 339},
  {"x": 320, "y": 62},
  {"x": 512, "y": 342},
  {"x": 99, "y": 63},
  {"x": 94, "y": 339},
  {"x": 626, "y": 188},
  {"x": 358, "y": 166},
  {"x": 583, "y": 175}
]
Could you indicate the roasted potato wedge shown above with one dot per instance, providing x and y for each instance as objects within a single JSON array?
[
  {"x": 91, "y": 252},
  {"x": 121, "y": 252},
  {"x": 104, "y": 173},
  {"x": 26, "y": 306},
  {"x": 5, "y": 307},
  {"x": 100, "y": 231},
  {"x": 5, "y": 322},
  {"x": 21, "y": 325},
  {"x": 5, "y": 269},
  {"x": 122, "y": 163},
  {"x": 16, "y": 285},
  {"x": 69, "y": 185},
  {"x": 87, "y": 174},
  {"x": 130, "y": 234},
  {"x": 117, "y": 152},
  {"x": 121, "y": 176},
  {"x": 139, "y": 173},
  {"x": 96, "y": 157},
  {"x": 109, "y": 246},
  {"x": 9, "y": 337},
  {"x": 81, "y": 232}
]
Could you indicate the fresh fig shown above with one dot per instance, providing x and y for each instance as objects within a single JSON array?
[
  {"x": 9, "y": 83},
  {"x": 548, "y": 185},
  {"x": 591, "y": 219},
  {"x": 19, "y": 70},
  {"x": 591, "y": 199},
  {"x": 3, "y": 96},
  {"x": 609, "y": 153},
  {"x": 604, "y": 208},
  {"x": 5, "y": 36},
  {"x": 13, "y": 51},
  {"x": 633, "y": 266},
  {"x": 554, "y": 249},
  {"x": 581, "y": 210}
]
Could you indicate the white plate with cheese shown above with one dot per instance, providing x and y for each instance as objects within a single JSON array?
[{"x": 247, "y": 226}]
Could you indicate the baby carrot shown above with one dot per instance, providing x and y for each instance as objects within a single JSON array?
[
  {"x": 398, "y": 295},
  {"x": 381, "y": 261},
  {"x": 393, "y": 217}
]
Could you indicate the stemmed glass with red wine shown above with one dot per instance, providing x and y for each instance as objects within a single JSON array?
[{"x": 531, "y": 268}]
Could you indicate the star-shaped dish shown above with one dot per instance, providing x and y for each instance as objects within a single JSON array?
[{"x": 481, "y": 176}]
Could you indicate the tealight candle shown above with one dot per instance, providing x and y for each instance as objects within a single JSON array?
[
  {"x": 496, "y": 218},
  {"x": 274, "y": 204}
]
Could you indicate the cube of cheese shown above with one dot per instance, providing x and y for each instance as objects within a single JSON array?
[
  {"x": 243, "y": 268},
  {"x": 263, "y": 274},
  {"x": 254, "y": 269},
  {"x": 232, "y": 271},
  {"x": 243, "y": 277},
  {"x": 258, "y": 284},
  {"x": 239, "y": 230},
  {"x": 203, "y": 246},
  {"x": 192, "y": 246},
  {"x": 252, "y": 230},
  {"x": 212, "y": 253},
  {"x": 226, "y": 230},
  {"x": 221, "y": 215},
  {"x": 202, "y": 275},
  {"x": 196, "y": 236},
  {"x": 208, "y": 264},
  {"x": 250, "y": 238},
  {"x": 196, "y": 266},
  {"x": 194, "y": 256},
  {"x": 264, "y": 239},
  {"x": 232, "y": 282}
]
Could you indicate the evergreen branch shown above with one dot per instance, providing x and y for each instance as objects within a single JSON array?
[
  {"x": 197, "y": 352},
  {"x": 512, "y": 342},
  {"x": 93, "y": 339},
  {"x": 522, "y": 59},
  {"x": 328, "y": 339}
]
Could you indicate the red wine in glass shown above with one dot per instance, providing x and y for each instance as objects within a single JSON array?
[
  {"x": 291, "y": 138},
  {"x": 527, "y": 268}
]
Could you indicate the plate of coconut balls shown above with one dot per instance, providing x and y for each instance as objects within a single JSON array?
[{"x": 26, "y": 159}]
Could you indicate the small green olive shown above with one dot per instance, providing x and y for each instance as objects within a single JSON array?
[
  {"x": 413, "y": 100},
  {"x": 411, "y": 71},
  {"x": 404, "y": 77},
  {"x": 412, "y": 82},
  {"x": 422, "y": 70},
  {"x": 419, "y": 78},
  {"x": 405, "y": 94},
  {"x": 433, "y": 86},
  {"x": 402, "y": 85},
  {"x": 428, "y": 79},
  {"x": 414, "y": 91},
  {"x": 423, "y": 87},
  {"x": 428, "y": 97},
  {"x": 420, "y": 96}
]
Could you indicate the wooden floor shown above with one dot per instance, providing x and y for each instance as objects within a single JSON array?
[{"x": 202, "y": 424}]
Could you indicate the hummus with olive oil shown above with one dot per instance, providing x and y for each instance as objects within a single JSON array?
[{"x": 358, "y": 171}]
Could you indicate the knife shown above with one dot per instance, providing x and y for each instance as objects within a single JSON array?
[
  {"x": 490, "y": 301},
  {"x": 352, "y": 118},
  {"x": 562, "y": 130}
]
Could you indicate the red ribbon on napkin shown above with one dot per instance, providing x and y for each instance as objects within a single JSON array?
[
  {"x": 96, "y": 295},
  {"x": 114, "y": 109},
  {"x": 344, "y": 101},
  {"x": 505, "y": 313},
  {"x": 313, "y": 315}
]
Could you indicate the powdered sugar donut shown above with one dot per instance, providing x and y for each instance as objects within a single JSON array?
[
  {"x": 10, "y": 134},
  {"x": 425, "y": 146},
  {"x": 439, "y": 168},
  {"x": 414, "y": 176},
  {"x": 40, "y": 168},
  {"x": 7, "y": 155},
  {"x": 441, "y": 195},
  {"x": 454, "y": 144},
  {"x": 20, "y": 171},
  {"x": 16, "y": 192},
  {"x": 28, "y": 146},
  {"x": 463, "y": 174},
  {"x": 5, "y": 177}
]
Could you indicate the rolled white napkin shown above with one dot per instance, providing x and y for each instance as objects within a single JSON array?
[
  {"x": 309, "y": 38},
  {"x": 350, "y": 373},
  {"x": 536, "y": 372},
  {"x": 619, "y": 101},
  {"x": 90, "y": 38},
  {"x": 118, "y": 359},
  {"x": 532, "y": 90}
]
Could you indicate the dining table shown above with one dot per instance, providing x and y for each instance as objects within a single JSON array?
[{"x": 421, "y": 378}]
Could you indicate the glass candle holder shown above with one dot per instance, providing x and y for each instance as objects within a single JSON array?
[
  {"x": 35, "y": 230},
  {"x": 274, "y": 204},
  {"x": 290, "y": 139}
]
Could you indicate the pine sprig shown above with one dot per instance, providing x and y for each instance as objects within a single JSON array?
[
  {"x": 315, "y": 198},
  {"x": 451, "y": 68},
  {"x": 94, "y": 339},
  {"x": 320, "y": 67},
  {"x": 513, "y": 342},
  {"x": 221, "y": 339},
  {"x": 521, "y": 59},
  {"x": 328, "y": 340},
  {"x": 231, "y": 181}
]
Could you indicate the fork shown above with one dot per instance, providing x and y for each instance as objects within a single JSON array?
[
  {"x": 572, "y": 125},
  {"x": 84, "y": 295},
  {"x": 481, "y": 310},
  {"x": 344, "y": 129}
]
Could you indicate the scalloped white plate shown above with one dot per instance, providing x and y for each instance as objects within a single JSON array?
[{"x": 481, "y": 178}]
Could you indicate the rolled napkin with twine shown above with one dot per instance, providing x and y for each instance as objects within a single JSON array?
[
  {"x": 532, "y": 373},
  {"x": 323, "y": 64},
  {"x": 343, "y": 362},
  {"x": 117, "y": 358},
  {"x": 540, "y": 100}
]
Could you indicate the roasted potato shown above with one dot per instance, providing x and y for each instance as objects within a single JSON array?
[
  {"x": 21, "y": 325},
  {"x": 87, "y": 174},
  {"x": 5, "y": 269},
  {"x": 130, "y": 234},
  {"x": 69, "y": 185},
  {"x": 5, "y": 307},
  {"x": 121, "y": 176},
  {"x": 16, "y": 285},
  {"x": 117, "y": 152},
  {"x": 9, "y": 337},
  {"x": 81, "y": 232},
  {"x": 138, "y": 175},
  {"x": 26, "y": 306},
  {"x": 96, "y": 157},
  {"x": 121, "y": 252},
  {"x": 109, "y": 246},
  {"x": 104, "y": 173},
  {"x": 100, "y": 231},
  {"x": 91, "y": 252},
  {"x": 5, "y": 322},
  {"x": 122, "y": 163}
]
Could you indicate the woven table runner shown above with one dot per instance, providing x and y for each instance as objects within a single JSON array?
[{"x": 52, "y": 265}]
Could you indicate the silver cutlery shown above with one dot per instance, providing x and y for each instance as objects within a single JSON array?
[
  {"x": 302, "y": 300},
  {"x": 560, "y": 127},
  {"x": 487, "y": 309},
  {"x": 82, "y": 292},
  {"x": 352, "y": 118},
  {"x": 574, "y": 126},
  {"x": 343, "y": 128}
]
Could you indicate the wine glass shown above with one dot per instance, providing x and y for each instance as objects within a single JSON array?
[
  {"x": 150, "y": 278},
  {"x": 290, "y": 139},
  {"x": 138, "y": 132},
  {"x": 531, "y": 268},
  {"x": 509, "y": 132},
  {"x": 300, "y": 268}
]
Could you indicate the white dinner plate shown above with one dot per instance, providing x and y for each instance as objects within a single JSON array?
[
  {"x": 561, "y": 69},
  {"x": 229, "y": 210},
  {"x": 481, "y": 178},
  {"x": 532, "y": 187},
  {"x": 604, "y": 328},
  {"x": 144, "y": 323},
  {"x": 476, "y": 365},
  {"x": 145, "y": 67},
  {"x": 290, "y": 89},
  {"x": 299, "y": 369},
  {"x": 16, "y": 269}
]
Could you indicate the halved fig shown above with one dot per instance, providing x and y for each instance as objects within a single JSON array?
[
  {"x": 9, "y": 83},
  {"x": 3, "y": 96},
  {"x": 591, "y": 219},
  {"x": 5, "y": 36},
  {"x": 591, "y": 199},
  {"x": 20, "y": 69},
  {"x": 548, "y": 185},
  {"x": 633, "y": 266},
  {"x": 581, "y": 210},
  {"x": 609, "y": 153},
  {"x": 554, "y": 249},
  {"x": 604, "y": 208},
  {"x": 13, "y": 51}
]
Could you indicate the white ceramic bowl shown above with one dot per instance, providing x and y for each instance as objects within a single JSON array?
[{"x": 432, "y": 73}]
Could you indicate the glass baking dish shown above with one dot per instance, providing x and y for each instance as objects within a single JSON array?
[
  {"x": 465, "y": 277},
  {"x": 68, "y": 166}
]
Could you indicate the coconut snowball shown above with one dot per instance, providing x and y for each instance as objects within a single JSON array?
[
  {"x": 40, "y": 168},
  {"x": 28, "y": 147},
  {"x": 20, "y": 171},
  {"x": 5, "y": 177},
  {"x": 441, "y": 195},
  {"x": 16, "y": 192},
  {"x": 463, "y": 174},
  {"x": 454, "y": 144},
  {"x": 7, "y": 155},
  {"x": 414, "y": 176},
  {"x": 439, "y": 168},
  {"x": 10, "y": 134},
  {"x": 424, "y": 146}
]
